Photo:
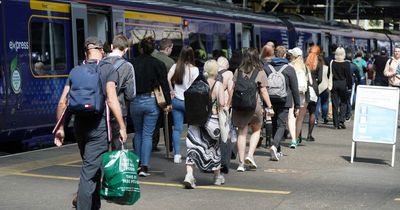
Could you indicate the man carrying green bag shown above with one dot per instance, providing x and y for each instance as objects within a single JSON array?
[{"x": 120, "y": 182}]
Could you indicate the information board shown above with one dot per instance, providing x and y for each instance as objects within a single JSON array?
[{"x": 375, "y": 115}]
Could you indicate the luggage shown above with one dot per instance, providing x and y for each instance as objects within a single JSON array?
[{"x": 120, "y": 180}]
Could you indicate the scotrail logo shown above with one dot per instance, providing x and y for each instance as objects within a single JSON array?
[{"x": 17, "y": 45}]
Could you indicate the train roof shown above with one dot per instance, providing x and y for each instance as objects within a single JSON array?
[{"x": 218, "y": 10}]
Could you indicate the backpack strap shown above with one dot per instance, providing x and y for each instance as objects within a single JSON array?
[
  {"x": 283, "y": 68},
  {"x": 119, "y": 63},
  {"x": 271, "y": 68}
]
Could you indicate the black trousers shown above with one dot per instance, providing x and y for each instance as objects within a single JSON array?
[
  {"x": 339, "y": 101},
  {"x": 92, "y": 143}
]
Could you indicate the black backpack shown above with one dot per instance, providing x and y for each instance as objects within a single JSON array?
[
  {"x": 197, "y": 102},
  {"x": 245, "y": 93}
]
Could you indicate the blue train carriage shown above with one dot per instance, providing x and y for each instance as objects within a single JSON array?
[{"x": 35, "y": 61}]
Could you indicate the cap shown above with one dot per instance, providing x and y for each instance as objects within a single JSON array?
[
  {"x": 93, "y": 42},
  {"x": 296, "y": 52},
  {"x": 383, "y": 51}
]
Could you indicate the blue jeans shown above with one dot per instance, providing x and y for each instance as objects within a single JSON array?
[
  {"x": 144, "y": 112},
  {"x": 323, "y": 102},
  {"x": 178, "y": 114}
]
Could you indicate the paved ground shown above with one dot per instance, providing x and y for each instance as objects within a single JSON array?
[{"x": 317, "y": 175}]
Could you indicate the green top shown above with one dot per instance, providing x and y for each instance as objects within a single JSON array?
[{"x": 168, "y": 62}]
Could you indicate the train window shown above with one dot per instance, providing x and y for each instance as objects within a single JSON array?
[
  {"x": 135, "y": 36},
  {"x": 48, "y": 50},
  {"x": 176, "y": 37},
  {"x": 198, "y": 43},
  {"x": 220, "y": 42}
]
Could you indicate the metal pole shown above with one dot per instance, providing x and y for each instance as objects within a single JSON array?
[
  {"x": 326, "y": 10},
  {"x": 244, "y": 3},
  {"x": 358, "y": 12},
  {"x": 332, "y": 7}
]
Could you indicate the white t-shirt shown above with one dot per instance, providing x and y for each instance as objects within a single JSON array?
[{"x": 191, "y": 73}]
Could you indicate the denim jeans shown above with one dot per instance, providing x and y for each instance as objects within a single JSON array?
[
  {"x": 323, "y": 102},
  {"x": 178, "y": 115},
  {"x": 144, "y": 112}
]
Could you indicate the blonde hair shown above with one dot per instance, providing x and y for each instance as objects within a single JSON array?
[
  {"x": 340, "y": 54},
  {"x": 298, "y": 63},
  {"x": 223, "y": 63},
  {"x": 211, "y": 68}
]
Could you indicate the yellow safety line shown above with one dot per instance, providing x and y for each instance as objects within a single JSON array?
[
  {"x": 167, "y": 184},
  {"x": 397, "y": 199}
]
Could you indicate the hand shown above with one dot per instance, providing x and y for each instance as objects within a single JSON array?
[
  {"x": 59, "y": 137},
  {"x": 122, "y": 135},
  {"x": 172, "y": 93},
  {"x": 296, "y": 112},
  {"x": 269, "y": 112},
  {"x": 168, "y": 108}
]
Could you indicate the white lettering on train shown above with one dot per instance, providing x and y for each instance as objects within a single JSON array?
[{"x": 18, "y": 45}]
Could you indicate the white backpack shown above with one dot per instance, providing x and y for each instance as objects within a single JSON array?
[
  {"x": 276, "y": 84},
  {"x": 302, "y": 80}
]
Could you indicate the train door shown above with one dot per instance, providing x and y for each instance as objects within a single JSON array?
[
  {"x": 99, "y": 21},
  {"x": 326, "y": 43},
  {"x": 257, "y": 37},
  {"x": 238, "y": 36},
  {"x": 247, "y": 35},
  {"x": 2, "y": 73}
]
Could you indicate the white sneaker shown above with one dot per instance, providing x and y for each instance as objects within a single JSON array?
[
  {"x": 240, "y": 168},
  {"x": 250, "y": 161},
  {"x": 177, "y": 159},
  {"x": 274, "y": 153},
  {"x": 219, "y": 180},
  {"x": 189, "y": 182}
]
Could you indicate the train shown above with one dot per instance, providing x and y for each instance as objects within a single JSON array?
[{"x": 41, "y": 41}]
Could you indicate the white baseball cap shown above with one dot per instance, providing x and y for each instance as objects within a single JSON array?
[{"x": 296, "y": 52}]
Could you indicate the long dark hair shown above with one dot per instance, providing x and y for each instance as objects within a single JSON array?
[
  {"x": 186, "y": 57},
  {"x": 250, "y": 61}
]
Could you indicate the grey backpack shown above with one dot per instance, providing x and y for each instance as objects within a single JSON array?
[{"x": 276, "y": 84}]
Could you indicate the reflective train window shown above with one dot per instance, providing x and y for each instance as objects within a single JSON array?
[
  {"x": 48, "y": 50},
  {"x": 134, "y": 37},
  {"x": 198, "y": 43},
  {"x": 176, "y": 37}
]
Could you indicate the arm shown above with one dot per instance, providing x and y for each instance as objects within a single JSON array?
[
  {"x": 294, "y": 87},
  {"x": 389, "y": 72},
  {"x": 112, "y": 102},
  {"x": 171, "y": 73},
  {"x": 220, "y": 94},
  {"x": 62, "y": 105}
]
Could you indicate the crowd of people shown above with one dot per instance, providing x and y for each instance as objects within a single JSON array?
[{"x": 286, "y": 83}]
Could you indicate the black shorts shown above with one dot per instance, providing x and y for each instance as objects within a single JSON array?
[{"x": 311, "y": 107}]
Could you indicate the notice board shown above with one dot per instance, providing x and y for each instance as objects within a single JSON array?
[{"x": 375, "y": 115}]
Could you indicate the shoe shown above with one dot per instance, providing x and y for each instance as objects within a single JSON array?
[
  {"x": 342, "y": 126},
  {"x": 219, "y": 180},
  {"x": 74, "y": 201},
  {"x": 325, "y": 121},
  {"x": 348, "y": 119},
  {"x": 240, "y": 168},
  {"x": 310, "y": 138},
  {"x": 177, "y": 159},
  {"x": 224, "y": 169},
  {"x": 144, "y": 172},
  {"x": 274, "y": 153},
  {"x": 299, "y": 140},
  {"x": 250, "y": 161},
  {"x": 293, "y": 145},
  {"x": 338, "y": 127},
  {"x": 189, "y": 182}
]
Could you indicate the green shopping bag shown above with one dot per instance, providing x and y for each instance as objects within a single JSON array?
[{"x": 120, "y": 182}]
